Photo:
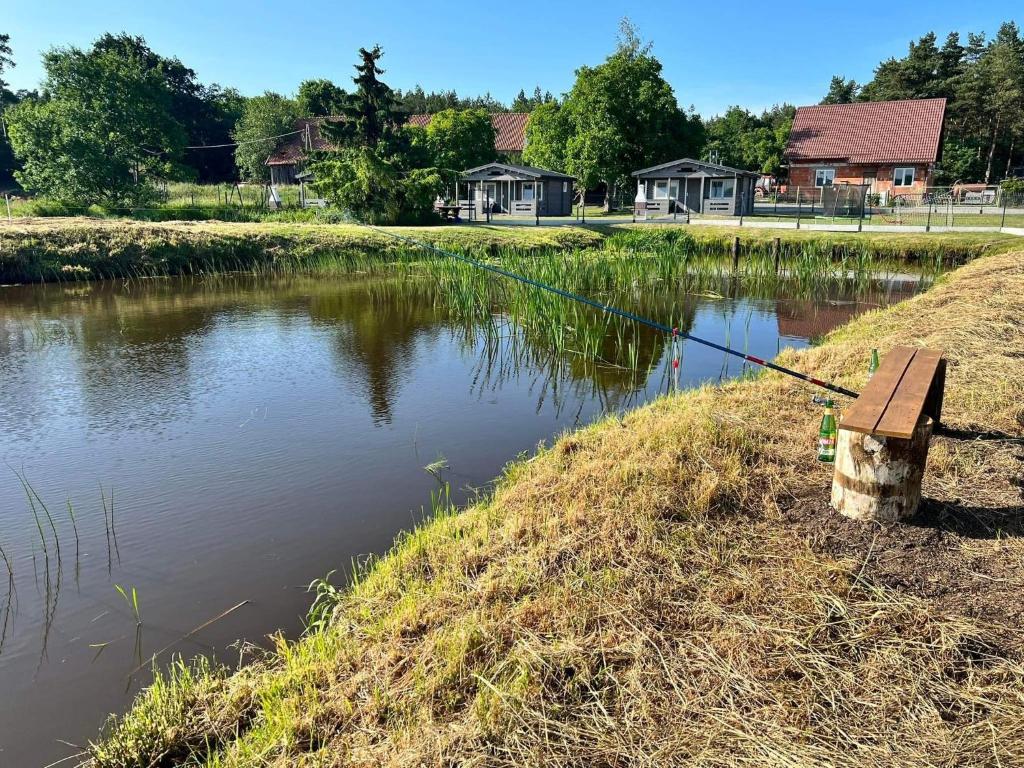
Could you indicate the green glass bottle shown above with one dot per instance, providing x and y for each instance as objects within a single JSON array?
[
  {"x": 873, "y": 365},
  {"x": 827, "y": 434}
]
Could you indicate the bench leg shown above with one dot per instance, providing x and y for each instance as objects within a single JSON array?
[{"x": 879, "y": 478}]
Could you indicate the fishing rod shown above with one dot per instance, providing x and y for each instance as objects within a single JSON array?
[{"x": 607, "y": 308}]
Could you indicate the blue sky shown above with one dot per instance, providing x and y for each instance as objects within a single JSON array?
[{"x": 754, "y": 54}]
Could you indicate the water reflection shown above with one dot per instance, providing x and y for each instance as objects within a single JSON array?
[{"x": 251, "y": 434}]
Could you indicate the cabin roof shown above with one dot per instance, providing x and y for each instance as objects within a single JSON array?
[
  {"x": 527, "y": 171},
  {"x": 690, "y": 167}
]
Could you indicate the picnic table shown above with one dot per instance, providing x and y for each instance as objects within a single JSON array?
[{"x": 448, "y": 212}]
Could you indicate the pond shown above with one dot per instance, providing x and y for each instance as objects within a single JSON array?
[{"x": 210, "y": 446}]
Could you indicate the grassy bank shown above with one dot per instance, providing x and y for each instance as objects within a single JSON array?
[
  {"x": 76, "y": 249},
  {"x": 70, "y": 249},
  {"x": 952, "y": 247},
  {"x": 670, "y": 588}
]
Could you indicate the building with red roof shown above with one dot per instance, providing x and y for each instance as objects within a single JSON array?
[
  {"x": 892, "y": 147},
  {"x": 287, "y": 158}
]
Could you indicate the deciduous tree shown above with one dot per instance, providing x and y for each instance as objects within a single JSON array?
[
  {"x": 621, "y": 115},
  {"x": 263, "y": 116},
  {"x": 460, "y": 139},
  {"x": 320, "y": 98},
  {"x": 103, "y": 127}
]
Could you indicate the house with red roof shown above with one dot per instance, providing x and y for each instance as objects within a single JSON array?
[
  {"x": 285, "y": 162},
  {"x": 892, "y": 147}
]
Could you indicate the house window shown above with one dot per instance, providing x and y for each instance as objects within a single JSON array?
[
  {"x": 528, "y": 192},
  {"x": 824, "y": 177},
  {"x": 903, "y": 177},
  {"x": 722, "y": 188},
  {"x": 540, "y": 190},
  {"x": 565, "y": 187},
  {"x": 661, "y": 190}
]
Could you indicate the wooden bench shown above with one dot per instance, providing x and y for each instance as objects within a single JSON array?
[
  {"x": 909, "y": 382},
  {"x": 883, "y": 437}
]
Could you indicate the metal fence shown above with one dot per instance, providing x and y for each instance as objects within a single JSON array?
[{"x": 946, "y": 207}]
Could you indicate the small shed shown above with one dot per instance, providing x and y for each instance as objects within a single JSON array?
[
  {"x": 697, "y": 186},
  {"x": 518, "y": 190}
]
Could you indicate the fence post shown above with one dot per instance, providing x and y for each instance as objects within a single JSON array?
[
  {"x": 928, "y": 223},
  {"x": 1002, "y": 221},
  {"x": 799, "y": 206},
  {"x": 7, "y": 199},
  {"x": 735, "y": 254}
]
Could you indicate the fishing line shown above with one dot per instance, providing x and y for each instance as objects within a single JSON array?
[{"x": 607, "y": 308}]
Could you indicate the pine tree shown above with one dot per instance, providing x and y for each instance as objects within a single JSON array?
[
  {"x": 841, "y": 91},
  {"x": 371, "y": 113}
]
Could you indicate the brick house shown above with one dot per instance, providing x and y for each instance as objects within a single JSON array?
[
  {"x": 890, "y": 146},
  {"x": 286, "y": 161}
]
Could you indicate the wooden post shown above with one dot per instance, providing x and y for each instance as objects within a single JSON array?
[
  {"x": 735, "y": 254},
  {"x": 7, "y": 199},
  {"x": 879, "y": 478},
  {"x": 777, "y": 252}
]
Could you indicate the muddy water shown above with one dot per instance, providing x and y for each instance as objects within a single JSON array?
[{"x": 222, "y": 443}]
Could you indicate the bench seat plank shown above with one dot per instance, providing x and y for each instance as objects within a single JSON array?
[
  {"x": 868, "y": 409},
  {"x": 907, "y": 403}
]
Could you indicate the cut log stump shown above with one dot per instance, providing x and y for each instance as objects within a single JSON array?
[{"x": 877, "y": 477}]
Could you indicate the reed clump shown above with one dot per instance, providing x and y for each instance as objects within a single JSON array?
[{"x": 634, "y": 595}]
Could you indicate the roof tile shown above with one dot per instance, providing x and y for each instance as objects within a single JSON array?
[{"x": 868, "y": 132}]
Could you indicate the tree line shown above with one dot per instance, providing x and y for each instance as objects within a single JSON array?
[
  {"x": 108, "y": 118},
  {"x": 982, "y": 80}
]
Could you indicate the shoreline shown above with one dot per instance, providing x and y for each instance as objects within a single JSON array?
[
  {"x": 671, "y": 586},
  {"x": 66, "y": 250}
]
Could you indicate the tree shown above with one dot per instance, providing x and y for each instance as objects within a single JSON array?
[
  {"x": 320, "y": 98},
  {"x": 372, "y": 113},
  {"x": 263, "y": 117},
  {"x": 744, "y": 140},
  {"x": 983, "y": 82},
  {"x": 841, "y": 91},
  {"x": 460, "y": 139},
  {"x": 619, "y": 116},
  {"x": 103, "y": 128},
  {"x": 372, "y": 172},
  {"x": 206, "y": 114},
  {"x": 547, "y": 134},
  {"x": 6, "y": 100},
  {"x": 524, "y": 103},
  {"x": 375, "y": 189}
]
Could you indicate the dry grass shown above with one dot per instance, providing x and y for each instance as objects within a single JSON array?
[{"x": 635, "y": 596}]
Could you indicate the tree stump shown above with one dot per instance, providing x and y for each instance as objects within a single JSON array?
[{"x": 879, "y": 478}]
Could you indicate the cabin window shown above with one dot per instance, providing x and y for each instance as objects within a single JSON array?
[
  {"x": 565, "y": 187},
  {"x": 527, "y": 191},
  {"x": 824, "y": 177},
  {"x": 903, "y": 177},
  {"x": 661, "y": 190},
  {"x": 540, "y": 190},
  {"x": 722, "y": 188}
]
